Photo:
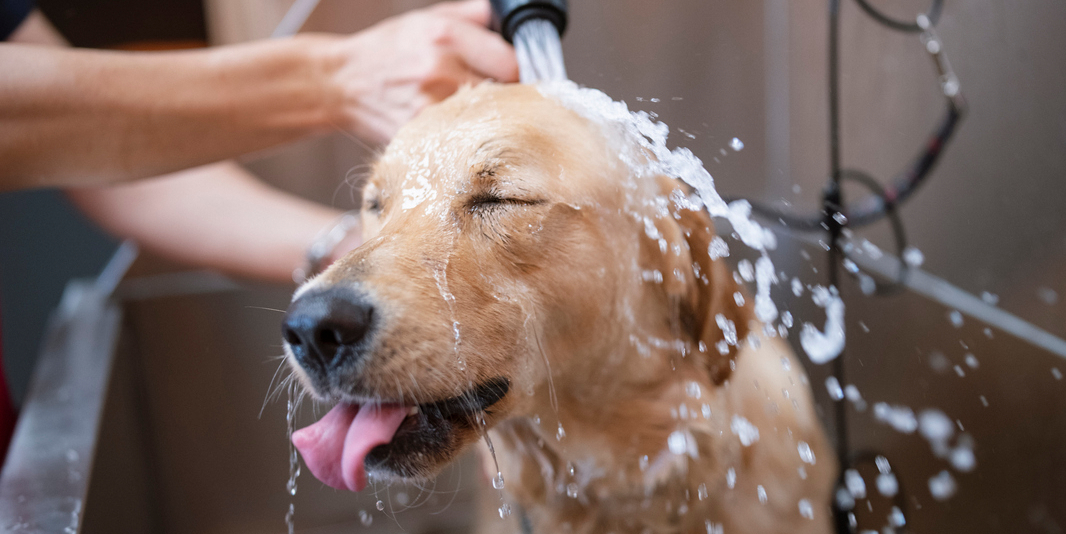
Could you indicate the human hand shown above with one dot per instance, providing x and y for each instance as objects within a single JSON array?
[{"x": 390, "y": 71}]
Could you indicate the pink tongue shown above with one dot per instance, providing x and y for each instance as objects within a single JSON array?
[{"x": 335, "y": 447}]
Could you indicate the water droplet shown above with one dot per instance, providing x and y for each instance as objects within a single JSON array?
[
  {"x": 570, "y": 468},
  {"x": 365, "y": 518},
  {"x": 855, "y": 484},
  {"x": 896, "y": 517},
  {"x": 731, "y": 478},
  {"x": 971, "y": 361},
  {"x": 990, "y": 298},
  {"x": 899, "y": 417},
  {"x": 762, "y": 493},
  {"x": 559, "y": 434},
  {"x": 923, "y": 22},
  {"x": 746, "y": 270},
  {"x": 736, "y": 144},
  {"x": 744, "y": 430},
  {"x": 938, "y": 362},
  {"x": 913, "y": 257},
  {"x": 805, "y": 509},
  {"x": 845, "y": 501},
  {"x": 505, "y": 510},
  {"x": 867, "y": 284},
  {"x": 832, "y": 385},
  {"x": 497, "y": 481},
  {"x": 956, "y": 318},
  {"x": 842, "y": 219},
  {"x": 1056, "y": 373},
  {"x": 1047, "y": 295},
  {"x": 692, "y": 389},
  {"x": 677, "y": 442},
  {"x": 805, "y": 453},
  {"x": 571, "y": 490},
  {"x": 882, "y": 464},
  {"x": 536, "y": 419},
  {"x": 381, "y": 504},
  {"x": 963, "y": 459},
  {"x": 942, "y": 486},
  {"x": 786, "y": 319},
  {"x": 887, "y": 484}
]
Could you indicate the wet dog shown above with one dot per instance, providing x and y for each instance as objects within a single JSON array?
[{"x": 520, "y": 278}]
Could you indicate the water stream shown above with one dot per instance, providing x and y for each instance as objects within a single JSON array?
[
  {"x": 539, "y": 51},
  {"x": 294, "y": 459}
]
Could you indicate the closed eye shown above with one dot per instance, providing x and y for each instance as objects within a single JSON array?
[
  {"x": 487, "y": 203},
  {"x": 373, "y": 205}
]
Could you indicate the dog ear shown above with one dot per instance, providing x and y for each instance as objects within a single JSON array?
[{"x": 702, "y": 288}]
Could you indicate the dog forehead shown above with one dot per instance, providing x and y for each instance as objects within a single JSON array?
[{"x": 455, "y": 139}]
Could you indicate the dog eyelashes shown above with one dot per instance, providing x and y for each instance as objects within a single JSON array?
[{"x": 488, "y": 203}]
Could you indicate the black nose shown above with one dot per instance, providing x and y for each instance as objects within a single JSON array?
[{"x": 324, "y": 329}]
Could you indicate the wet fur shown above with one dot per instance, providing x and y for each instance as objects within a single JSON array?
[{"x": 528, "y": 218}]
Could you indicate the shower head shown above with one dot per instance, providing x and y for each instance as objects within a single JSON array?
[{"x": 508, "y": 15}]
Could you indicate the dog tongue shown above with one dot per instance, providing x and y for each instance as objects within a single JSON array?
[{"x": 334, "y": 448}]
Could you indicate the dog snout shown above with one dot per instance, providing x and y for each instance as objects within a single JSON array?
[{"x": 325, "y": 329}]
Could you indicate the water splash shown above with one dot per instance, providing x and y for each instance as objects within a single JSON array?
[
  {"x": 539, "y": 51},
  {"x": 822, "y": 347},
  {"x": 649, "y": 156}
]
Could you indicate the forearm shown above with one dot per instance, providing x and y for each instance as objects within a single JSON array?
[
  {"x": 76, "y": 117},
  {"x": 217, "y": 216}
]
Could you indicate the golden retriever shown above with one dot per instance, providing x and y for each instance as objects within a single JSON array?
[{"x": 519, "y": 278}]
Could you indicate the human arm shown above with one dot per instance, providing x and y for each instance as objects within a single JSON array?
[
  {"x": 217, "y": 216},
  {"x": 76, "y": 117}
]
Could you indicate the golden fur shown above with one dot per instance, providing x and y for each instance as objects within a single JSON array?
[{"x": 505, "y": 238}]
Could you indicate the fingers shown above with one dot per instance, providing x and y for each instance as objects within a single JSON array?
[
  {"x": 486, "y": 52},
  {"x": 453, "y": 75},
  {"x": 475, "y": 11}
]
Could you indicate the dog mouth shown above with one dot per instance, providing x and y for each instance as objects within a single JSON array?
[{"x": 391, "y": 438}]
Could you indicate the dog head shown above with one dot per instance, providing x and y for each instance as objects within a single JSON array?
[{"x": 509, "y": 252}]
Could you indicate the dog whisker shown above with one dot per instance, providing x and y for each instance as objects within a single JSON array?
[{"x": 273, "y": 392}]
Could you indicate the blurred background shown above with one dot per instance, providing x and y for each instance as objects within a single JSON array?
[{"x": 991, "y": 220}]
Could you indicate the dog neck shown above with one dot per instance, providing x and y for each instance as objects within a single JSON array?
[{"x": 614, "y": 447}]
